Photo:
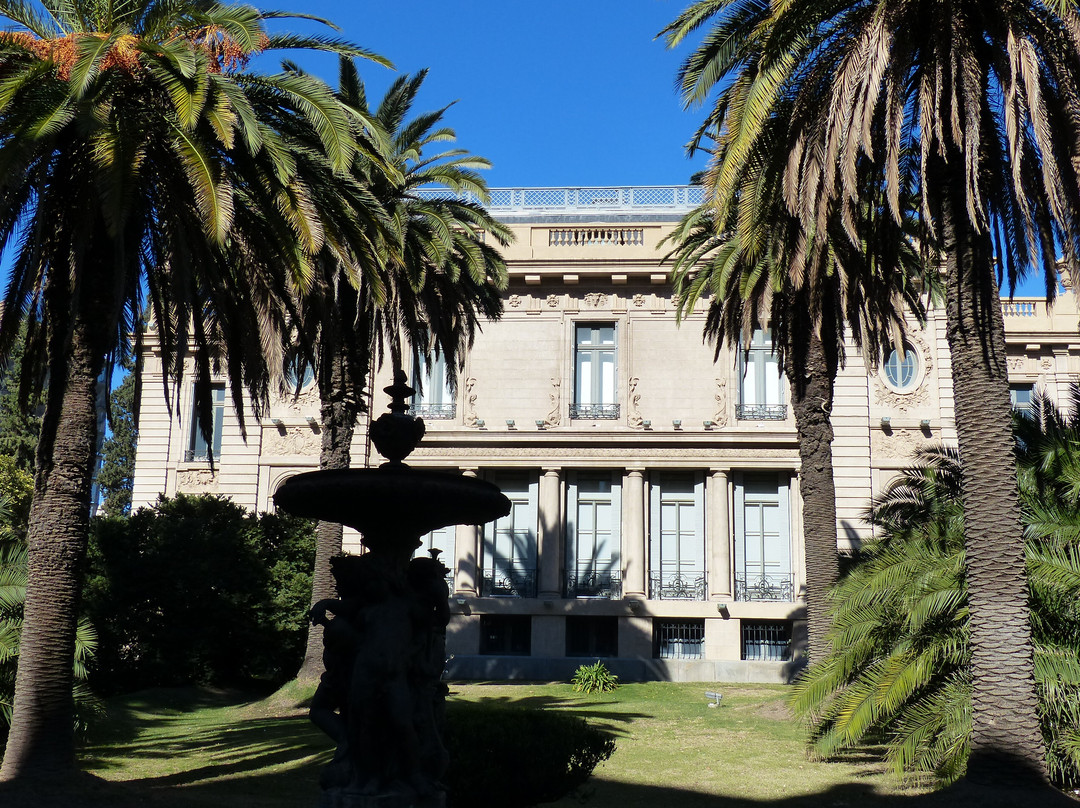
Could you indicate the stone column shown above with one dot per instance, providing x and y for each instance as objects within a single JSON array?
[
  {"x": 719, "y": 532},
  {"x": 549, "y": 560},
  {"x": 635, "y": 555},
  {"x": 467, "y": 554}
]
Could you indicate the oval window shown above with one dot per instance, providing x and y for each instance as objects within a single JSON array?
[{"x": 901, "y": 370}]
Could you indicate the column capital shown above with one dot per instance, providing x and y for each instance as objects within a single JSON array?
[
  {"x": 638, "y": 470},
  {"x": 720, "y": 472},
  {"x": 550, "y": 470},
  {"x": 470, "y": 471}
]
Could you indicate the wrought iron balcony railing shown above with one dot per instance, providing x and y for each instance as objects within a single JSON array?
[
  {"x": 761, "y": 412},
  {"x": 606, "y": 412},
  {"x": 589, "y": 582},
  {"x": 509, "y": 582},
  {"x": 434, "y": 412},
  {"x": 778, "y": 587},
  {"x": 685, "y": 585}
]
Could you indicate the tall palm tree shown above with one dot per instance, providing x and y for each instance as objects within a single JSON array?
[
  {"x": 422, "y": 289},
  {"x": 138, "y": 152},
  {"x": 743, "y": 248},
  {"x": 970, "y": 104}
]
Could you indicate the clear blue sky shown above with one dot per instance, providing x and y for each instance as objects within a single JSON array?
[{"x": 552, "y": 93}]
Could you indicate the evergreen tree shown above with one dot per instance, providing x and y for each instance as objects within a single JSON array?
[
  {"x": 20, "y": 422},
  {"x": 117, "y": 472}
]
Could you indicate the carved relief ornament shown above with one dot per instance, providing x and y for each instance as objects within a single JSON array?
[
  {"x": 293, "y": 442},
  {"x": 633, "y": 414},
  {"x": 196, "y": 480}
]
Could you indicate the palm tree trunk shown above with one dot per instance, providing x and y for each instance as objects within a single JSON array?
[
  {"x": 338, "y": 413},
  {"x": 41, "y": 743},
  {"x": 1006, "y": 743},
  {"x": 812, "y": 395}
]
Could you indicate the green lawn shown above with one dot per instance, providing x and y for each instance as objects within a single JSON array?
[{"x": 176, "y": 748}]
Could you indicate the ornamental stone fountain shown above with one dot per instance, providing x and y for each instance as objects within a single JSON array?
[{"x": 381, "y": 698}]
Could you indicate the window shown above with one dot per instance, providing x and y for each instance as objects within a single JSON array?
[
  {"x": 593, "y": 517},
  {"x": 766, "y": 642},
  {"x": 592, "y": 636},
  {"x": 677, "y": 537},
  {"x": 197, "y": 446},
  {"x": 434, "y": 399},
  {"x": 1021, "y": 396},
  {"x": 299, "y": 374},
  {"x": 761, "y": 393},
  {"x": 762, "y": 539},
  {"x": 594, "y": 373},
  {"x": 505, "y": 634},
  {"x": 445, "y": 541},
  {"x": 901, "y": 369},
  {"x": 679, "y": 639},
  {"x": 509, "y": 557}
]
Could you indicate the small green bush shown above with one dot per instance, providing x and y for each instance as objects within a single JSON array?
[
  {"x": 518, "y": 757},
  {"x": 594, "y": 678}
]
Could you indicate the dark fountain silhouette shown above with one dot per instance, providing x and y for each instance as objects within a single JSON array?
[{"x": 381, "y": 698}]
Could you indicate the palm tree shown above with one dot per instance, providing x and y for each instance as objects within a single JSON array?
[
  {"x": 899, "y": 667},
  {"x": 136, "y": 152},
  {"x": 742, "y": 248},
  {"x": 968, "y": 103},
  {"x": 421, "y": 291}
]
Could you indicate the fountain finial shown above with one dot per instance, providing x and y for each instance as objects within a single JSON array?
[{"x": 396, "y": 433}]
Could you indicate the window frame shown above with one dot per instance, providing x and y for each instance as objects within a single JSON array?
[
  {"x": 434, "y": 399},
  {"x": 761, "y": 357},
  {"x": 587, "y": 580},
  {"x": 197, "y": 450},
  {"x": 594, "y": 409},
  {"x": 777, "y": 585},
  {"x": 515, "y": 576},
  {"x": 663, "y": 491}
]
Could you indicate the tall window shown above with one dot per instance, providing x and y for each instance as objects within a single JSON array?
[
  {"x": 592, "y": 536},
  {"x": 1021, "y": 396},
  {"x": 677, "y": 538},
  {"x": 761, "y": 393},
  {"x": 762, "y": 539},
  {"x": 509, "y": 559},
  {"x": 434, "y": 400},
  {"x": 594, "y": 372},
  {"x": 445, "y": 541},
  {"x": 198, "y": 449}
]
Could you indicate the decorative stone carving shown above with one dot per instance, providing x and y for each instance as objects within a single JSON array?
[
  {"x": 554, "y": 416},
  {"x": 1016, "y": 364},
  {"x": 292, "y": 442},
  {"x": 633, "y": 415},
  {"x": 470, "y": 403},
  {"x": 553, "y": 301},
  {"x": 721, "y": 415},
  {"x": 201, "y": 480},
  {"x": 1047, "y": 363},
  {"x": 898, "y": 442},
  {"x": 514, "y": 301},
  {"x": 307, "y": 401},
  {"x": 480, "y": 455},
  {"x": 639, "y": 300},
  {"x": 918, "y": 396},
  {"x": 595, "y": 299}
]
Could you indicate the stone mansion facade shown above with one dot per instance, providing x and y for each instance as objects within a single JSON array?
[{"x": 656, "y": 518}]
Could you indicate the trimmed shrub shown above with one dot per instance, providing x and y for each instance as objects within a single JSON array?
[
  {"x": 518, "y": 757},
  {"x": 197, "y": 590},
  {"x": 595, "y": 678}
]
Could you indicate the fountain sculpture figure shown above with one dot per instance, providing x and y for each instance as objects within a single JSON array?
[{"x": 381, "y": 698}]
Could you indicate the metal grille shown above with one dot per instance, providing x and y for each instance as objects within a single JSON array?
[
  {"x": 679, "y": 639},
  {"x": 511, "y": 582},
  {"x": 771, "y": 586},
  {"x": 434, "y": 412},
  {"x": 688, "y": 585},
  {"x": 544, "y": 197},
  {"x": 761, "y": 412},
  {"x": 606, "y": 412},
  {"x": 600, "y": 196},
  {"x": 766, "y": 642},
  {"x": 654, "y": 196},
  {"x": 588, "y": 582}
]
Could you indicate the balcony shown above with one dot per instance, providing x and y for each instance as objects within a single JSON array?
[
  {"x": 611, "y": 199},
  {"x": 761, "y": 412},
  {"x": 434, "y": 412},
  {"x": 589, "y": 582},
  {"x": 685, "y": 585},
  {"x": 595, "y": 412},
  {"x": 509, "y": 581},
  {"x": 770, "y": 587}
]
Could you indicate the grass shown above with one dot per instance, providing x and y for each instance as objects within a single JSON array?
[{"x": 194, "y": 748}]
